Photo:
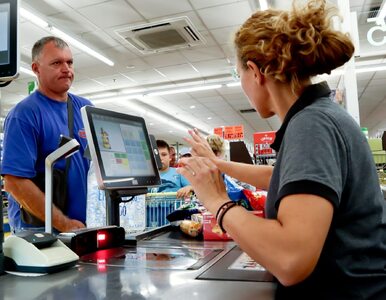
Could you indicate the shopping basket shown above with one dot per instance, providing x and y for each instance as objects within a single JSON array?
[{"x": 158, "y": 206}]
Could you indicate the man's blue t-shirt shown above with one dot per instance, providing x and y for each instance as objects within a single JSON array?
[
  {"x": 31, "y": 132},
  {"x": 172, "y": 181}
]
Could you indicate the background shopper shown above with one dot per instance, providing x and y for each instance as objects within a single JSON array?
[{"x": 171, "y": 181}]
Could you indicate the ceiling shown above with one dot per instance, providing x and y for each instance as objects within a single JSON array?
[{"x": 95, "y": 23}]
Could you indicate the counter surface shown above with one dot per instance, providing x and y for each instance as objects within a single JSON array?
[{"x": 140, "y": 273}]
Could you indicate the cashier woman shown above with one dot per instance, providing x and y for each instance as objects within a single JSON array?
[{"x": 325, "y": 232}]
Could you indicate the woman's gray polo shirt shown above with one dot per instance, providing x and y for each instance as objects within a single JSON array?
[{"x": 322, "y": 151}]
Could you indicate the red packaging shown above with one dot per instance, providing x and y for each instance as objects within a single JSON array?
[{"x": 212, "y": 231}]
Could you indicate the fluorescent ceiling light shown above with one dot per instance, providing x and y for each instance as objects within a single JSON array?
[
  {"x": 185, "y": 90},
  {"x": 55, "y": 31},
  {"x": 370, "y": 69},
  {"x": 237, "y": 83},
  {"x": 117, "y": 98},
  {"x": 102, "y": 95},
  {"x": 145, "y": 112},
  {"x": 340, "y": 72},
  {"x": 263, "y": 4},
  {"x": 27, "y": 71}
]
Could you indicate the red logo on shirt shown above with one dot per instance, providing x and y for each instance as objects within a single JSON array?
[{"x": 82, "y": 133}]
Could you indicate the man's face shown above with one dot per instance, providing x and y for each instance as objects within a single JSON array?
[
  {"x": 165, "y": 158},
  {"x": 172, "y": 153},
  {"x": 54, "y": 69}
]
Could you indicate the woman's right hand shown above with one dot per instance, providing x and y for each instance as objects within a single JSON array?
[{"x": 206, "y": 180}]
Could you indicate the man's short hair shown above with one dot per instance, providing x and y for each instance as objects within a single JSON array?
[
  {"x": 39, "y": 45},
  {"x": 162, "y": 144}
]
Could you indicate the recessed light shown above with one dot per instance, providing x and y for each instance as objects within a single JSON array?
[
  {"x": 192, "y": 107},
  {"x": 209, "y": 118}
]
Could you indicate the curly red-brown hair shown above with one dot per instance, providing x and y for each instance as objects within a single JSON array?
[{"x": 292, "y": 46}]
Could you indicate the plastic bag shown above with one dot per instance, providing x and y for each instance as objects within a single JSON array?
[{"x": 251, "y": 200}]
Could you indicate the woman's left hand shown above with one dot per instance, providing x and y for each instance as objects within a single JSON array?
[{"x": 206, "y": 179}]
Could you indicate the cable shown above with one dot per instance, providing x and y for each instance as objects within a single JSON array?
[
  {"x": 4, "y": 83},
  {"x": 128, "y": 200}
]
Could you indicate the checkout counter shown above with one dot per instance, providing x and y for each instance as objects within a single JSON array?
[
  {"x": 163, "y": 265},
  {"x": 158, "y": 264}
]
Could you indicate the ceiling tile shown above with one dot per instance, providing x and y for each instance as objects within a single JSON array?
[
  {"x": 122, "y": 12},
  {"x": 239, "y": 11}
]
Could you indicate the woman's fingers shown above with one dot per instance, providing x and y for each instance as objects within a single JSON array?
[{"x": 196, "y": 169}]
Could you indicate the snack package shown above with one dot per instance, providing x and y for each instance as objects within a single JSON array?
[
  {"x": 256, "y": 199},
  {"x": 191, "y": 228}
]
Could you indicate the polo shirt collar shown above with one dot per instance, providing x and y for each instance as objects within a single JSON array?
[{"x": 309, "y": 95}]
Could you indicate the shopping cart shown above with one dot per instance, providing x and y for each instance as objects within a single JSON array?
[{"x": 158, "y": 206}]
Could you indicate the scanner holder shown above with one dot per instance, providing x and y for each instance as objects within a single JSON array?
[{"x": 67, "y": 147}]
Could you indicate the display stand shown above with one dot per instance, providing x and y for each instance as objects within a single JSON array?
[{"x": 239, "y": 152}]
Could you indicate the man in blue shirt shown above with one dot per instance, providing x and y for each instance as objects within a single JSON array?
[
  {"x": 31, "y": 132},
  {"x": 171, "y": 180}
]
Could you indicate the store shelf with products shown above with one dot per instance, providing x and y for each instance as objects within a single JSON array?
[{"x": 264, "y": 154}]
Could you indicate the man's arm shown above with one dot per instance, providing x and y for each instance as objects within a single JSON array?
[{"x": 32, "y": 199}]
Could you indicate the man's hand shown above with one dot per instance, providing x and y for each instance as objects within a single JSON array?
[
  {"x": 69, "y": 225},
  {"x": 184, "y": 192}
]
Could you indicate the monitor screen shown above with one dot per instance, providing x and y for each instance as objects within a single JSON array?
[
  {"x": 9, "y": 58},
  {"x": 120, "y": 149}
]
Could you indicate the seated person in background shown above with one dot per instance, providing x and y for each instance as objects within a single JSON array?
[
  {"x": 217, "y": 144},
  {"x": 171, "y": 180}
]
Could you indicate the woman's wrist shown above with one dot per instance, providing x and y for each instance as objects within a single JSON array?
[{"x": 222, "y": 210}]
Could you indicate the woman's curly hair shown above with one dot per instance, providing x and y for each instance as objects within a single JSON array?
[{"x": 291, "y": 46}]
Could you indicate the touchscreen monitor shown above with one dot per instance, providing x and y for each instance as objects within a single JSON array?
[
  {"x": 120, "y": 149},
  {"x": 9, "y": 50}
]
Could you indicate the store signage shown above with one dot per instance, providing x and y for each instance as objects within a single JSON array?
[
  {"x": 234, "y": 132},
  {"x": 380, "y": 26},
  {"x": 262, "y": 141},
  {"x": 219, "y": 131}
]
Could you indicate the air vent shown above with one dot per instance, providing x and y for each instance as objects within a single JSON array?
[
  {"x": 245, "y": 111},
  {"x": 373, "y": 12},
  {"x": 161, "y": 36}
]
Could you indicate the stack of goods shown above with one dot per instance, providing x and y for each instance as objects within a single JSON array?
[{"x": 195, "y": 221}]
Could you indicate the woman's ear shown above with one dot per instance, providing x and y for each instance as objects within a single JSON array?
[{"x": 256, "y": 71}]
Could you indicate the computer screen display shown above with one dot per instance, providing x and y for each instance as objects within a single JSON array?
[
  {"x": 9, "y": 59},
  {"x": 120, "y": 149}
]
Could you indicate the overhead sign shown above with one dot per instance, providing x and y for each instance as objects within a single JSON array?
[
  {"x": 234, "y": 132},
  {"x": 219, "y": 131}
]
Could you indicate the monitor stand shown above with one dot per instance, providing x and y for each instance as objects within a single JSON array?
[{"x": 114, "y": 197}]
